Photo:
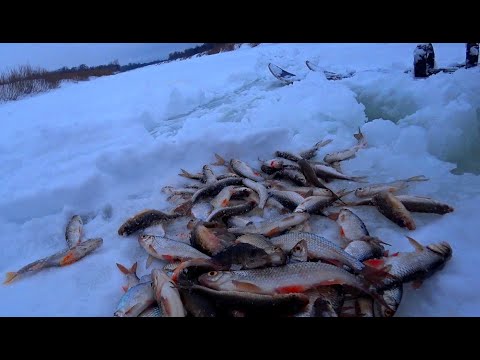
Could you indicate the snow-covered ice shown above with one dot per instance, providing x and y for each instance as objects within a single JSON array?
[{"x": 105, "y": 148}]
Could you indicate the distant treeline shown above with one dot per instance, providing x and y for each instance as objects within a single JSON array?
[{"x": 207, "y": 49}]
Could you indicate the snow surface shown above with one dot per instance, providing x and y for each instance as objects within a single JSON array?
[{"x": 105, "y": 148}]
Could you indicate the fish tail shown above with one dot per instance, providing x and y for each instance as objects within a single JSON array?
[
  {"x": 220, "y": 161},
  {"x": 186, "y": 174},
  {"x": 10, "y": 277},
  {"x": 418, "y": 178}
]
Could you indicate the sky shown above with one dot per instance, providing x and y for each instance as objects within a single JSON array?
[{"x": 56, "y": 55}]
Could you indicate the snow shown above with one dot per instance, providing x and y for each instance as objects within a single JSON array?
[{"x": 105, "y": 148}]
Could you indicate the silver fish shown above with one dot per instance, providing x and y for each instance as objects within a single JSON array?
[
  {"x": 314, "y": 204},
  {"x": 208, "y": 175},
  {"x": 135, "y": 301},
  {"x": 394, "y": 186},
  {"x": 153, "y": 311},
  {"x": 318, "y": 247},
  {"x": 167, "y": 249},
  {"x": 288, "y": 199},
  {"x": 241, "y": 168},
  {"x": 299, "y": 252},
  {"x": 223, "y": 197},
  {"x": 351, "y": 226},
  {"x": 327, "y": 172},
  {"x": 392, "y": 297},
  {"x": 74, "y": 231},
  {"x": 348, "y": 153},
  {"x": 62, "y": 258},
  {"x": 214, "y": 188},
  {"x": 260, "y": 189},
  {"x": 292, "y": 174},
  {"x": 232, "y": 210},
  {"x": 272, "y": 227},
  {"x": 366, "y": 248},
  {"x": 167, "y": 295}
]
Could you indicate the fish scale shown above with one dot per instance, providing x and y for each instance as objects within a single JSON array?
[{"x": 318, "y": 248}]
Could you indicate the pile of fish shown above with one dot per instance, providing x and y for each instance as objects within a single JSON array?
[{"x": 248, "y": 249}]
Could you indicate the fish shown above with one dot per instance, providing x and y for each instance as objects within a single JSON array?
[
  {"x": 299, "y": 252},
  {"x": 242, "y": 256},
  {"x": 310, "y": 153},
  {"x": 327, "y": 172},
  {"x": 214, "y": 188},
  {"x": 232, "y": 210},
  {"x": 288, "y": 199},
  {"x": 132, "y": 278},
  {"x": 292, "y": 174},
  {"x": 319, "y": 248},
  {"x": 424, "y": 204},
  {"x": 222, "y": 199},
  {"x": 272, "y": 227},
  {"x": 211, "y": 240},
  {"x": 348, "y": 153},
  {"x": 304, "y": 191},
  {"x": 260, "y": 189},
  {"x": 238, "y": 221},
  {"x": 62, "y": 258},
  {"x": 366, "y": 248},
  {"x": 196, "y": 303},
  {"x": 329, "y": 301},
  {"x": 186, "y": 174},
  {"x": 312, "y": 178},
  {"x": 393, "y": 186},
  {"x": 136, "y": 300},
  {"x": 152, "y": 311},
  {"x": 208, "y": 175},
  {"x": 276, "y": 164},
  {"x": 314, "y": 204},
  {"x": 167, "y": 295},
  {"x": 170, "y": 250},
  {"x": 390, "y": 207},
  {"x": 74, "y": 231},
  {"x": 143, "y": 220},
  {"x": 351, "y": 226},
  {"x": 255, "y": 304},
  {"x": 290, "y": 278},
  {"x": 241, "y": 168},
  {"x": 392, "y": 297},
  {"x": 413, "y": 266},
  {"x": 276, "y": 255}
]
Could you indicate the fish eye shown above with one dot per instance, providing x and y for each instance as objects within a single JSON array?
[
  {"x": 298, "y": 248},
  {"x": 388, "y": 313},
  {"x": 359, "y": 189},
  {"x": 212, "y": 273}
]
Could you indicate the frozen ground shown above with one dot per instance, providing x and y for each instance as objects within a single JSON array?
[{"x": 106, "y": 147}]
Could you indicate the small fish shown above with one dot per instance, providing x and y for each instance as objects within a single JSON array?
[
  {"x": 348, "y": 153},
  {"x": 392, "y": 187},
  {"x": 351, "y": 226},
  {"x": 292, "y": 174},
  {"x": 167, "y": 295},
  {"x": 169, "y": 250},
  {"x": 260, "y": 189},
  {"x": 241, "y": 168},
  {"x": 62, "y": 258},
  {"x": 188, "y": 175},
  {"x": 310, "y": 153},
  {"x": 319, "y": 248},
  {"x": 211, "y": 240},
  {"x": 242, "y": 256},
  {"x": 208, "y": 175},
  {"x": 222, "y": 199},
  {"x": 272, "y": 227},
  {"x": 291, "y": 278},
  {"x": 74, "y": 231},
  {"x": 273, "y": 165},
  {"x": 152, "y": 311},
  {"x": 299, "y": 252},
  {"x": 414, "y": 266},
  {"x": 311, "y": 176},
  {"x": 327, "y": 172},
  {"x": 136, "y": 300},
  {"x": 390, "y": 207},
  {"x": 366, "y": 248},
  {"x": 314, "y": 204},
  {"x": 304, "y": 191},
  {"x": 288, "y": 199},
  {"x": 231, "y": 210},
  {"x": 132, "y": 278},
  {"x": 143, "y": 220},
  {"x": 214, "y": 188},
  {"x": 424, "y": 205}
]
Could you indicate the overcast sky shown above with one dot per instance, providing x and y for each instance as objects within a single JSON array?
[{"x": 54, "y": 56}]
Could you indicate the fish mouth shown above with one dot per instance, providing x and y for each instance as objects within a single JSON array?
[{"x": 443, "y": 249}]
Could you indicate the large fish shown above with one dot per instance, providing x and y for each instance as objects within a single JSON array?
[
  {"x": 63, "y": 258},
  {"x": 290, "y": 278}
]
